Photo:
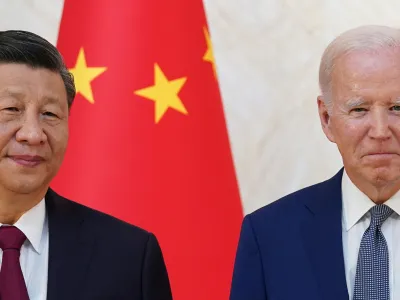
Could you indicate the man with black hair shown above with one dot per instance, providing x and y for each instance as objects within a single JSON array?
[{"x": 51, "y": 247}]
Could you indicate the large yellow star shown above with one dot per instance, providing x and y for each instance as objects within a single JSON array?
[
  {"x": 83, "y": 76},
  {"x": 209, "y": 56},
  {"x": 164, "y": 93}
]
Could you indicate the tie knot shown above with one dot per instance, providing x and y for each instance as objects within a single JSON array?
[
  {"x": 11, "y": 238},
  {"x": 379, "y": 214}
]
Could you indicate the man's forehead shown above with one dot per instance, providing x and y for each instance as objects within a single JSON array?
[
  {"x": 14, "y": 73},
  {"x": 19, "y": 92},
  {"x": 368, "y": 60}
]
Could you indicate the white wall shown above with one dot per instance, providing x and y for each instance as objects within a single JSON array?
[
  {"x": 39, "y": 16},
  {"x": 267, "y": 54}
]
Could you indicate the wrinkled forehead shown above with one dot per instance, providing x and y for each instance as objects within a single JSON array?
[
  {"x": 367, "y": 72},
  {"x": 19, "y": 81},
  {"x": 367, "y": 63}
]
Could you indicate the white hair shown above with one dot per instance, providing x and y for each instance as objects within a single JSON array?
[{"x": 363, "y": 38}]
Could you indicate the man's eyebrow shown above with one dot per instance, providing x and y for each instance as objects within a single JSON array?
[
  {"x": 51, "y": 100},
  {"x": 12, "y": 93},
  {"x": 354, "y": 102}
]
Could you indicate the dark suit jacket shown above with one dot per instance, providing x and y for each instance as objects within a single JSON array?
[
  {"x": 95, "y": 256},
  {"x": 292, "y": 249}
]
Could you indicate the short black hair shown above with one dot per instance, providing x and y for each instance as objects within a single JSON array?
[{"x": 18, "y": 46}]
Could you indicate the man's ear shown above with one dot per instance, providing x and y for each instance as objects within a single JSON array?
[{"x": 325, "y": 118}]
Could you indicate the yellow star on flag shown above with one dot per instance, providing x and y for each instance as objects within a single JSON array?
[
  {"x": 209, "y": 56},
  {"x": 83, "y": 76},
  {"x": 164, "y": 93}
]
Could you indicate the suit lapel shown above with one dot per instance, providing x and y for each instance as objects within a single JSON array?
[
  {"x": 69, "y": 249},
  {"x": 322, "y": 233}
]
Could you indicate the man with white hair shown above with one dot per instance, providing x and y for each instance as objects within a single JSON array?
[{"x": 338, "y": 239}]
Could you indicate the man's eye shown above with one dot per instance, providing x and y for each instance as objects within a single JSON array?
[
  {"x": 395, "y": 108},
  {"x": 49, "y": 114},
  {"x": 15, "y": 109},
  {"x": 359, "y": 109}
]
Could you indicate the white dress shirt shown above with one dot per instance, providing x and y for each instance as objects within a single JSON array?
[
  {"x": 355, "y": 220},
  {"x": 34, "y": 251}
]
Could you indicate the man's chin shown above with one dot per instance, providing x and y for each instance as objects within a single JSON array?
[
  {"x": 26, "y": 186},
  {"x": 384, "y": 175}
]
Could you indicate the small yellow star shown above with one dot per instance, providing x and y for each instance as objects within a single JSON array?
[
  {"x": 209, "y": 56},
  {"x": 83, "y": 75},
  {"x": 164, "y": 93}
]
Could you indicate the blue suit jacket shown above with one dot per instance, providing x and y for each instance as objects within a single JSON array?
[{"x": 292, "y": 248}]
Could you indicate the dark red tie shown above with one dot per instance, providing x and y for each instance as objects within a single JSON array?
[{"x": 12, "y": 284}]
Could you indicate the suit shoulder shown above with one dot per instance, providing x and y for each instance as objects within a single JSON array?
[
  {"x": 103, "y": 224},
  {"x": 288, "y": 205},
  {"x": 102, "y": 221}
]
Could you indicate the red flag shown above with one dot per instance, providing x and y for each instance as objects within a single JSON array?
[{"x": 148, "y": 140}]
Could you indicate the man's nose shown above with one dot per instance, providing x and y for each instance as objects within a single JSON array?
[
  {"x": 380, "y": 125},
  {"x": 31, "y": 131}
]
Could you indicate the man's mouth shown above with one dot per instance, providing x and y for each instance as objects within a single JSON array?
[{"x": 27, "y": 160}]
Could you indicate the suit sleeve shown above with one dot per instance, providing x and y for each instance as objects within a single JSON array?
[
  {"x": 248, "y": 276},
  {"x": 156, "y": 285}
]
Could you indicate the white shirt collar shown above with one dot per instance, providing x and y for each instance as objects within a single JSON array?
[
  {"x": 356, "y": 204},
  {"x": 31, "y": 224}
]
